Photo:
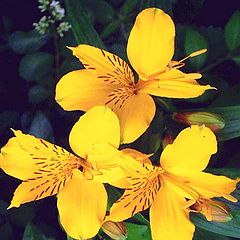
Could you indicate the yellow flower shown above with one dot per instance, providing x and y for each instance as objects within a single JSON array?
[
  {"x": 47, "y": 169},
  {"x": 176, "y": 187},
  {"x": 108, "y": 80}
]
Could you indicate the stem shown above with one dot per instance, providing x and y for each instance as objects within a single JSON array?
[
  {"x": 213, "y": 65},
  {"x": 56, "y": 55}
]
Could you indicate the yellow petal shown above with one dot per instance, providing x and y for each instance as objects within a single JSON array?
[
  {"x": 138, "y": 156},
  {"x": 135, "y": 116},
  {"x": 175, "y": 84},
  {"x": 151, "y": 42},
  {"x": 17, "y": 162},
  {"x": 97, "y": 125},
  {"x": 137, "y": 197},
  {"x": 209, "y": 185},
  {"x": 105, "y": 65},
  {"x": 82, "y": 207},
  {"x": 190, "y": 151},
  {"x": 168, "y": 218},
  {"x": 27, "y": 157},
  {"x": 81, "y": 90}
]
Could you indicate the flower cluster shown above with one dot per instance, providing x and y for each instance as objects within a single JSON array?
[
  {"x": 119, "y": 109},
  {"x": 56, "y": 15}
]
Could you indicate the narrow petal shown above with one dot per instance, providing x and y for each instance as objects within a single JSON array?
[
  {"x": 190, "y": 151},
  {"x": 175, "y": 84},
  {"x": 137, "y": 197},
  {"x": 105, "y": 65},
  {"x": 81, "y": 90},
  {"x": 44, "y": 167},
  {"x": 97, "y": 125},
  {"x": 135, "y": 116},
  {"x": 168, "y": 218},
  {"x": 151, "y": 42},
  {"x": 82, "y": 207},
  {"x": 209, "y": 185}
]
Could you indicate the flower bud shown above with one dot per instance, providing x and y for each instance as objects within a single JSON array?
[
  {"x": 211, "y": 120},
  {"x": 167, "y": 139},
  {"x": 213, "y": 210},
  {"x": 115, "y": 230}
]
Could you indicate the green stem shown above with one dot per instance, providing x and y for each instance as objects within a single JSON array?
[{"x": 56, "y": 55}]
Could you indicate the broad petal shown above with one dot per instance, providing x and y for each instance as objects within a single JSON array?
[
  {"x": 175, "y": 84},
  {"x": 82, "y": 206},
  {"x": 44, "y": 167},
  {"x": 151, "y": 42},
  {"x": 209, "y": 185},
  {"x": 168, "y": 219},
  {"x": 104, "y": 65},
  {"x": 135, "y": 116},
  {"x": 97, "y": 125},
  {"x": 81, "y": 90},
  {"x": 190, "y": 151}
]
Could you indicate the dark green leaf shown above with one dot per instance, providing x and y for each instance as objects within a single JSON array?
[
  {"x": 236, "y": 59},
  {"x": 129, "y": 6},
  {"x": 6, "y": 231},
  {"x": 32, "y": 233},
  {"x": 41, "y": 127},
  {"x": 26, "y": 42},
  {"x": 136, "y": 231},
  {"x": 8, "y": 119},
  {"x": 82, "y": 29},
  {"x": 201, "y": 234},
  {"x": 110, "y": 29},
  {"x": 165, "y": 5},
  {"x": 232, "y": 31},
  {"x": 35, "y": 66},
  {"x": 195, "y": 41},
  {"x": 230, "y": 172},
  {"x": 38, "y": 94},
  {"x": 102, "y": 11},
  {"x": 22, "y": 216}
]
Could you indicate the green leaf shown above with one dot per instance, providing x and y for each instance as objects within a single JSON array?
[
  {"x": 110, "y": 29},
  {"x": 230, "y": 229},
  {"x": 41, "y": 127},
  {"x": 229, "y": 172},
  {"x": 101, "y": 10},
  {"x": 195, "y": 41},
  {"x": 32, "y": 233},
  {"x": 26, "y": 42},
  {"x": 232, "y": 32},
  {"x": 6, "y": 231},
  {"x": 165, "y": 5},
  {"x": 236, "y": 59},
  {"x": 136, "y": 231},
  {"x": 232, "y": 122},
  {"x": 82, "y": 29},
  {"x": 33, "y": 67},
  {"x": 129, "y": 6},
  {"x": 201, "y": 234},
  {"x": 38, "y": 94},
  {"x": 22, "y": 216}
]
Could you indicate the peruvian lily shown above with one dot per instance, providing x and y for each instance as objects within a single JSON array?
[
  {"x": 47, "y": 169},
  {"x": 177, "y": 187},
  {"x": 108, "y": 80}
]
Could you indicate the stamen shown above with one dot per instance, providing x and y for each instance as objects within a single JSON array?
[{"x": 194, "y": 54}]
